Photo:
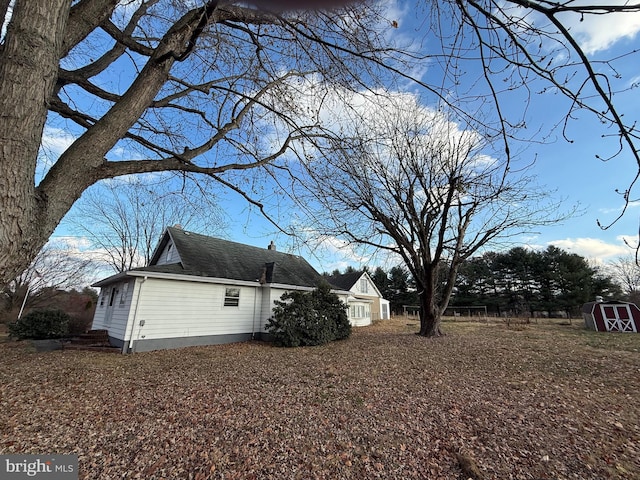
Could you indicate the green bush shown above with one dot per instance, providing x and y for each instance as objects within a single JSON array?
[
  {"x": 41, "y": 324},
  {"x": 304, "y": 319}
]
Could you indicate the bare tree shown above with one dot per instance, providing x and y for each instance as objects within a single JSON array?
[
  {"x": 531, "y": 47},
  {"x": 410, "y": 181},
  {"x": 164, "y": 85},
  {"x": 124, "y": 220},
  {"x": 626, "y": 272},
  {"x": 57, "y": 267},
  {"x": 152, "y": 86}
]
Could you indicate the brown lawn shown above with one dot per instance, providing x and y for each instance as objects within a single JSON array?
[{"x": 519, "y": 402}]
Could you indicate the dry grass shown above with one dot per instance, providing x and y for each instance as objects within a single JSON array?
[{"x": 517, "y": 402}]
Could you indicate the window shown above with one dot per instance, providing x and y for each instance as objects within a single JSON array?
[
  {"x": 231, "y": 297},
  {"x": 123, "y": 297},
  {"x": 364, "y": 285},
  {"x": 114, "y": 292},
  {"x": 170, "y": 252},
  {"x": 102, "y": 292}
]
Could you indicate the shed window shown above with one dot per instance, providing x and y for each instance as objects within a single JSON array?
[{"x": 231, "y": 297}]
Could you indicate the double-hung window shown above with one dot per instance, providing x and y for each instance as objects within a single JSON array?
[{"x": 231, "y": 297}]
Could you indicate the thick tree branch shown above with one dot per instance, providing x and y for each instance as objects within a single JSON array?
[{"x": 84, "y": 17}]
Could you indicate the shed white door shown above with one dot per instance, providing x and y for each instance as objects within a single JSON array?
[{"x": 617, "y": 318}]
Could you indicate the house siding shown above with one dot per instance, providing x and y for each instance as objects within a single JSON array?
[
  {"x": 114, "y": 318},
  {"x": 177, "y": 309},
  {"x": 168, "y": 255},
  {"x": 365, "y": 290}
]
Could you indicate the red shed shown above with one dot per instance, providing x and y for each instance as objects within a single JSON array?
[{"x": 611, "y": 316}]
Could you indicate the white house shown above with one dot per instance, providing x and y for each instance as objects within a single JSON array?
[
  {"x": 200, "y": 290},
  {"x": 364, "y": 300}
]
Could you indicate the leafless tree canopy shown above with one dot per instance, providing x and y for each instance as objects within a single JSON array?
[
  {"x": 408, "y": 180},
  {"x": 57, "y": 267},
  {"x": 165, "y": 85},
  {"x": 150, "y": 86},
  {"x": 124, "y": 220}
]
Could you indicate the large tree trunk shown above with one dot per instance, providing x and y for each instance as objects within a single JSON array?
[
  {"x": 29, "y": 63},
  {"x": 429, "y": 314},
  {"x": 28, "y": 70}
]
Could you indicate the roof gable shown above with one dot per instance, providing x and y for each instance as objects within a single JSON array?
[
  {"x": 349, "y": 281},
  {"x": 346, "y": 281},
  {"x": 205, "y": 256}
]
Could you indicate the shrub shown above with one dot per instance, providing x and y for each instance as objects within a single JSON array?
[
  {"x": 41, "y": 324},
  {"x": 315, "y": 318},
  {"x": 79, "y": 324}
]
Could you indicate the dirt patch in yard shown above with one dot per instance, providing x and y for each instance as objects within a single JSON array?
[{"x": 537, "y": 402}]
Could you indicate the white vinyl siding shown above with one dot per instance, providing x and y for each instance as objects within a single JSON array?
[
  {"x": 115, "y": 317},
  {"x": 168, "y": 255},
  {"x": 173, "y": 308}
]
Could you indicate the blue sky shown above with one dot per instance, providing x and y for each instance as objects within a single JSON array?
[{"x": 571, "y": 169}]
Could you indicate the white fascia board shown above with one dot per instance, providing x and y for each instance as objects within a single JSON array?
[
  {"x": 283, "y": 286},
  {"x": 192, "y": 278},
  {"x": 355, "y": 298},
  {"x": 341, "y": 292}
]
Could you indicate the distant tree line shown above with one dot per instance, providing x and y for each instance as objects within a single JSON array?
[
  {"x": 518, "y": 282},
  {"x": 528, "y": 283}
]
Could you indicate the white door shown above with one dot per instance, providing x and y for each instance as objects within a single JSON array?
[{"x": 617, "y": 318}]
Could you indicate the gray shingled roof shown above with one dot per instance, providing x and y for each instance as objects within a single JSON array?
[
  {"x": 205, "y": 256},
  {"x": 345, "y": 280}
]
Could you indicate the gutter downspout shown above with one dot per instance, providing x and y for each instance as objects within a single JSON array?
[
  {"x": 253, "y": 322},
  {"x": 135, "y": 315}
]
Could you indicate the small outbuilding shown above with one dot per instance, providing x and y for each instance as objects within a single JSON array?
[{"x": 611, "y": 316}]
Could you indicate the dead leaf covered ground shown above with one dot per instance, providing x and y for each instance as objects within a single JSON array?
[{"x": 524, "y": 402}]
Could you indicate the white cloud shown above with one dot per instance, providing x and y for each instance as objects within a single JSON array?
[
  {"x": 54, "y": 142},
  {"x": 595, "y": 248},
  {"x": 348, "y": 253},
  {"x": 599, "y": 32}
]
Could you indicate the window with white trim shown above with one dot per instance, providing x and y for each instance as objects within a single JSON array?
[
  {"x": 364, "y": 285},
  {"x": 231, "y": 297}
]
